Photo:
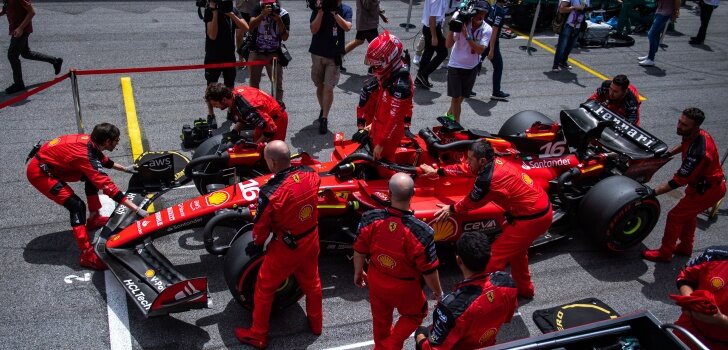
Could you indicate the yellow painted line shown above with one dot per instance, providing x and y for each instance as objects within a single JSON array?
[
  {"x": 571, "y": 60},
  {"x": 132, "y": 124}
]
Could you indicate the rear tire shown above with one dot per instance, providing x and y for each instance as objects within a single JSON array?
[
  {"x": 241, "y": 273},
  {"x": 614, "y": 216},
  {"x": 521, "y": 121},
  {"x": 206, "y": 148}
]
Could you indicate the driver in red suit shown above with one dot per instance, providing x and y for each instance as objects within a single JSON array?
[
  {"x": 385, "y": 102},
  {"x": 287, "y": 208},
  {"x": 621, "y": 97},
  {"x": 705, "y": 276},
  {"x": 471, "y": 316},
  {"x": 527, "y": 210},
  {"x": 80, "y": 157},
  {"x": 702, "y": 172},
  {"x": 402, "y": 254},
  {"x": 251, "y": 107}
]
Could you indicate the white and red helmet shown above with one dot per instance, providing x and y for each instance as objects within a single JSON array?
[{"x": 384, "y": 54}]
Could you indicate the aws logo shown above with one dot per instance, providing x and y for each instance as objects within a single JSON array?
[
  {"x": 444, "y": 229},
  {"x": 717, "y": 282},
  {"x": 386, "y": 261},
  {"x": 217, "y": 198},
  {"x": 305, "y": 212}
]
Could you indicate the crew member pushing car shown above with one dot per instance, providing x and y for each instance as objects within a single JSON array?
[
  {"x": 702, "y": 173},
  {"x": 80, "y": 157},
  {"x": 251, "y": 107},
  {"x": 471, "y": 316},
  {"x": 704, "y": 298},
  {"x": 401, "y": 249},
  {"x": 528, "y": 212},
  {"x": 287, "y": 208},
  {"x": 385, "y": 102},
  {"x": 621, "y": 97}
]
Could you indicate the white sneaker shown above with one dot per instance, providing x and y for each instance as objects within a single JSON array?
[
  {"x": 642, "y": 58},
  {"x": 417, "y": 59},
  {"x": 647, "y": 63}
]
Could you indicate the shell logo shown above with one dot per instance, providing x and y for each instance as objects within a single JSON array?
[
  {"x": 490, "y": 295},
  {"x": 115, "y": 238},
  {"x": 487, "y": 336},
  {"x": 444, "y": 229},
  {"x": 527, "y": 179},
  {"x": 217, "y": 198},
  {"x": 386, "y": 261},
  {"x": 150, "y": 273},
  {"x": 717, "y": 282},
  {"x": 498, "y": 161},
  {"x": 84, "y": 137},
  {"x": 392, "y": 226},
  {"x": 54, "y": 141},
  {"x": 305, "y": 212},
  {"x": 296, "y": 178}
]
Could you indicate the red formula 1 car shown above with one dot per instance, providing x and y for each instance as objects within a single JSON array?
[{"x": 591, "y": 164}]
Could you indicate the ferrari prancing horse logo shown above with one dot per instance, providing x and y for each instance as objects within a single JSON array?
[
  {"x": 296, "y": 178},
  {"x": 392, "y": 226}
]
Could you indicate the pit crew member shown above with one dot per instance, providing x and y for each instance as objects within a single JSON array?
[
  {"x": 385, "y": 102},
  {"x": 80, "y": 157},
  {"x": 621, "y": 97},
  {"x": 401, "y": 249},
  {"x": 287, "y": 209},
  {"x": 703, "y": 175},
  {"x": 471, "y": 316},
  {"x": 527, "y": 209},
  {"x": 251, "y": 107},
  {"x": 702, "y": 279}
]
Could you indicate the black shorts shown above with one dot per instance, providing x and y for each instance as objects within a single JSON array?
[
  {"x": 460, "y": 81},
  {"x": 367, "y": 35},
  {"x": 212, "y": 75}
]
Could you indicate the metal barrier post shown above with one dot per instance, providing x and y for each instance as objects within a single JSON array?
[
  {"x": 76, "y": 101},
  {"x": 407, "y": 26},
  {"x": 274, "y": 78},
  {"x": 528, "y": 47}
]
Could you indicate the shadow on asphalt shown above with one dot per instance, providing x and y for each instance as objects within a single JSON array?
[
  {"x": 564, "y": 76},
  {"x": 169, "y": 332},
  {"x": 309, "y": 140},
  {"x": 57, "y": 248},
  {"x": 424, "y": 97},
  {"x": 655, "y": 72},
  {"x": 353, "y": 82},
  {"x": 4, "y": 97},
  {"x": 481, "y": 107},
  {"x": 664, "y": 280}
]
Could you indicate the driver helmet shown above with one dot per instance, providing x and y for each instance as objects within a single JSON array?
[{"x": 384, "y": 54}]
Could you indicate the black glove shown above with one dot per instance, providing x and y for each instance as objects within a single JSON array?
[
  {"x": 645, "y": 192},
  {"x": 361, "y": 136},
  {"x": 253, "y": 249}
]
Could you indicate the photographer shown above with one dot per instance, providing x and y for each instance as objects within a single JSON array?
[
  {"x": 467, "y": 46},
  {"x": 221, "y": 22},
  {"x": 269, "y": 26},
  {"x": 329, "y": 20}
]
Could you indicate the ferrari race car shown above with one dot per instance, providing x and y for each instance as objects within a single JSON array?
[{"x": 590, "y": 165}]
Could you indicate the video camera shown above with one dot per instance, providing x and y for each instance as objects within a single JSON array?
[
  {"x": 275, "y": 8},
  {"x": 224, "y": 6},
  {"x": 326, "y": 5},
  {"x": 463, "y": 15}
]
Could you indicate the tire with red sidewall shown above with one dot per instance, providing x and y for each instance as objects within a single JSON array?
[
  {"x": 241, "y": 273},
  {"x": 614, "y": 216}
]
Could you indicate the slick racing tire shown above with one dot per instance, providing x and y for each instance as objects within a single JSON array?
[
  {"x": 241, "y": 273},
  {"x": 206, "y": 148},
  {"x": 614, "y": 216},
  {"x": 521, "y": 121}
]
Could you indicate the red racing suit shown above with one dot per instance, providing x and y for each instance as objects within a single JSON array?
[
  {"x": 401, "y": 249},
  {"x": 387, "y": 106},
  {"x": 72, "y": 158},
  {"x": 702, "y": 173},
  {"x": 709, "y": 272},
  {"x": 527, "y": 211},
  {"x": 288, "y": 204},
  {"x": 255, "y": 108},
  {"x": 471, "y": 316},
  {"x": 628, "y": 107}
]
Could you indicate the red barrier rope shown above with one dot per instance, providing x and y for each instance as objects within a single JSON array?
[
  {"x": 34, "y": 91},
  {"x": 57, "y": 80}
]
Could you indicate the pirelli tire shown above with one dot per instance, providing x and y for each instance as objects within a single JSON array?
[
  {"x": 241, "y": 273},
  {"x": 207, "y": 148},
  {"x": 521, "y": 121},
  {"x": 614, "y": 216}
]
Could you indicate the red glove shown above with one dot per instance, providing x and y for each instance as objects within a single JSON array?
[{"x": 700, "y": 301}]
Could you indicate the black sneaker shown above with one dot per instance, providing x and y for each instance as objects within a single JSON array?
[
  {"x": 57, "y": 65},
  {"x": 342, "y": 69},
  {"x": 565, "y": 66},
  {"x": 472, "y": 94},
  {"x": 500, "y": 96},
  {"x": 695, "y": 41},
  {"x": 15, "y": 88},
  {"x": 423, "y": 82},
  {"x": 555, "y": 68},
  {"x": 323, "y": 126}
]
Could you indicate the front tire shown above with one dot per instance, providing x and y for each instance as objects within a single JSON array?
[
  {"x": 614, "y": 216},
  {"x": 241, "y": 273}
]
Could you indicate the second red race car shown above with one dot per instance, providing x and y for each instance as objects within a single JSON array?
[{"x": 591, "y": 165}]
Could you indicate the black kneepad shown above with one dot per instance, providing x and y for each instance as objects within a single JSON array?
[{"x": 77, "y": 208}]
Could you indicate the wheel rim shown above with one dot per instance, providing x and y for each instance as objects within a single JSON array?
[
  {"x": 632, "y": 226},
  {"x": 632, "y": 229},
  {"x": 287, "y": 293}
]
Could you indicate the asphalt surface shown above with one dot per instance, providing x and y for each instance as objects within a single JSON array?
[{"x": 51, "y": 302}]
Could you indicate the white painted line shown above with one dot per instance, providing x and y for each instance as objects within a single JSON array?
[
  {"x": 538, "y": 37},
  {"x": 327, "y": 288},
  {"x": 119, "y": 336}
]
